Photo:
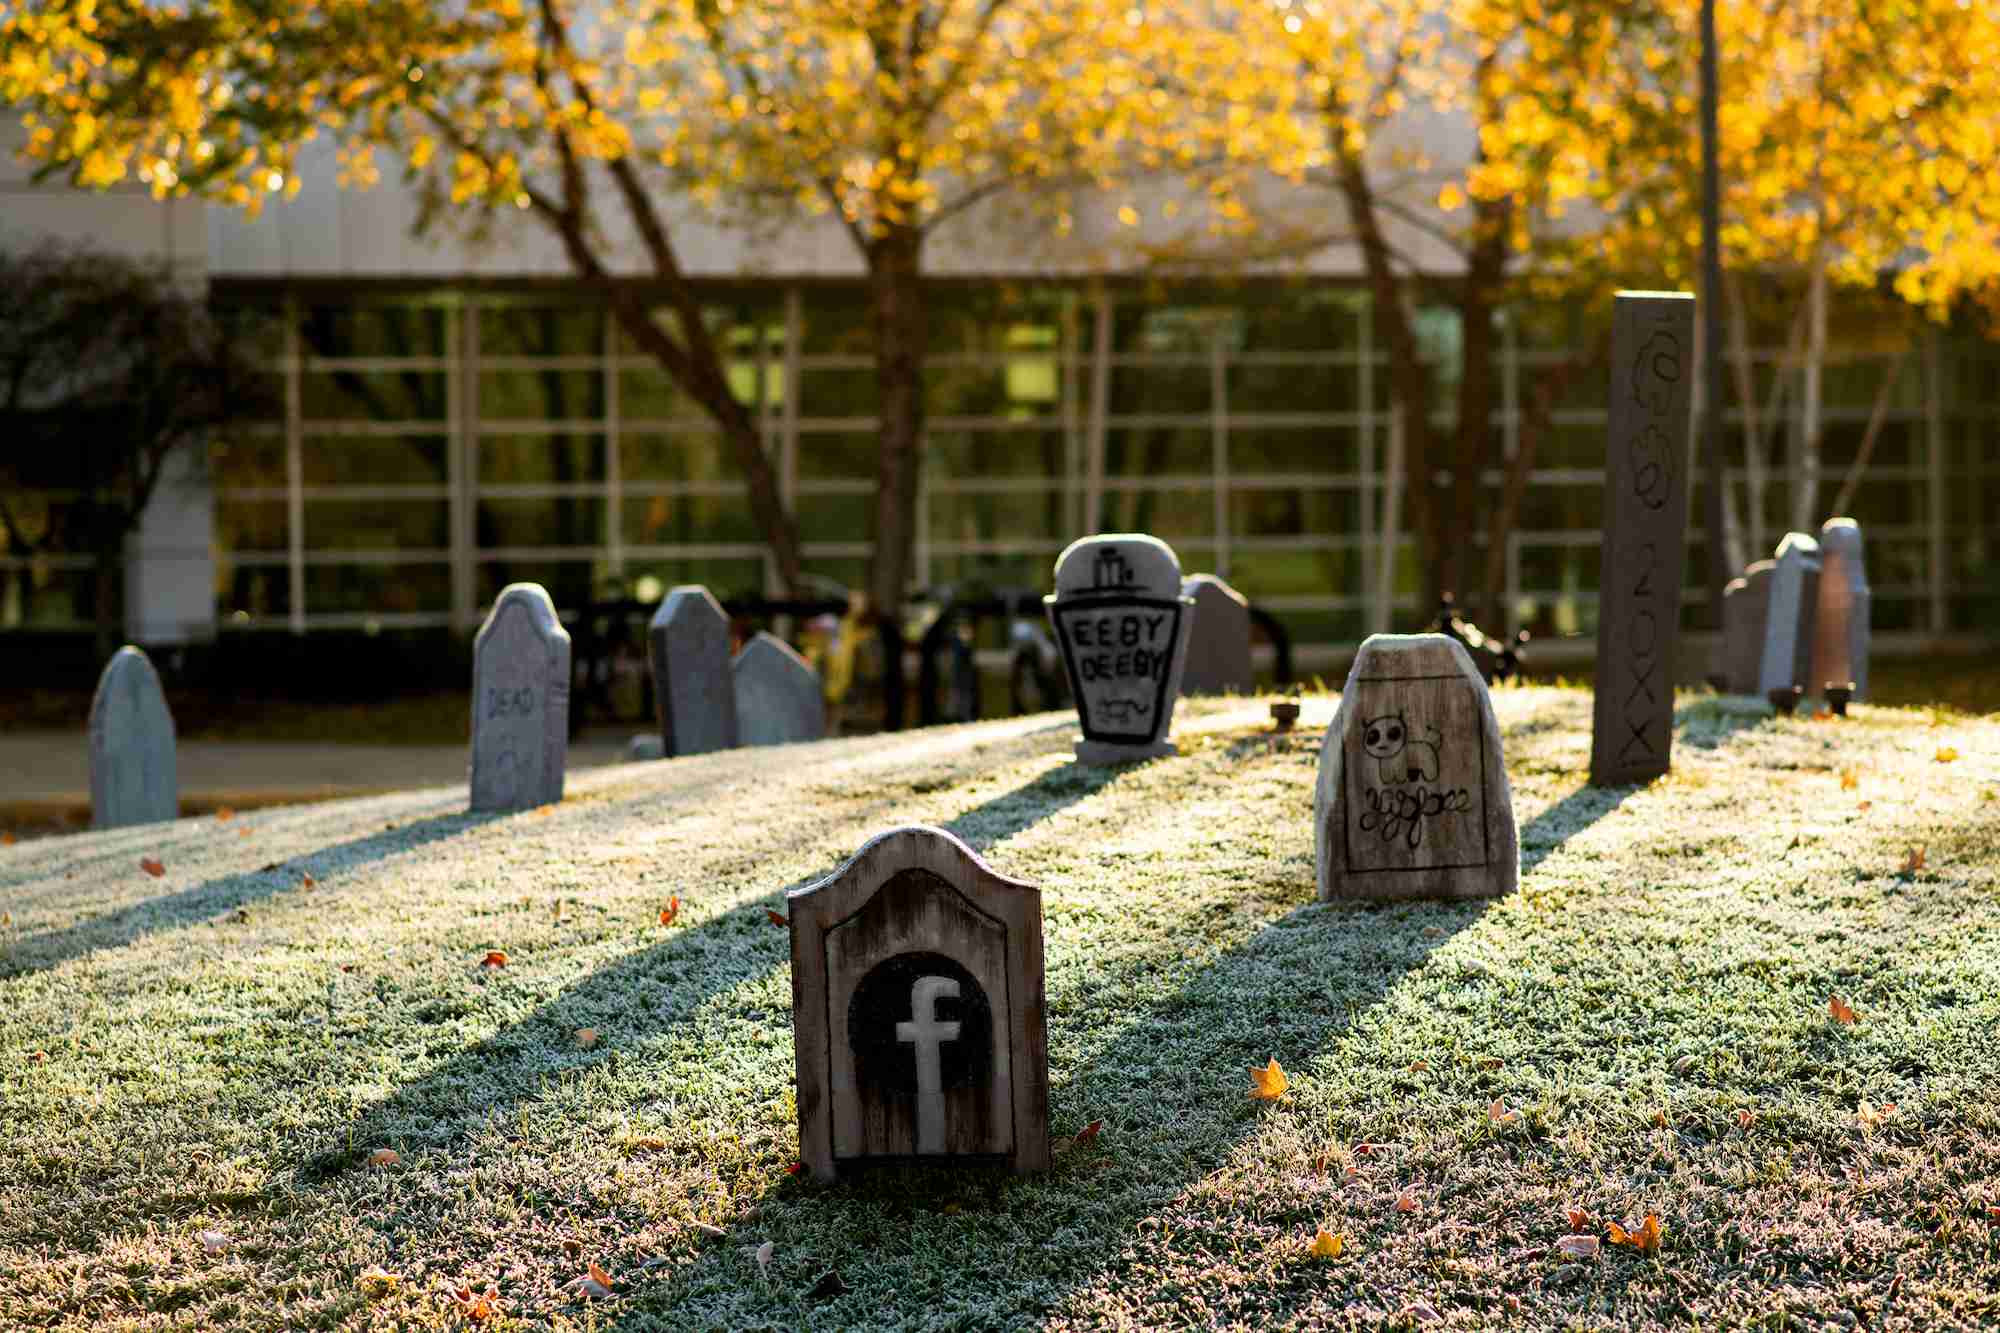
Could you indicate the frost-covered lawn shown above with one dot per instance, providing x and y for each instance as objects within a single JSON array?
[{"x": 215, "y": 1054}]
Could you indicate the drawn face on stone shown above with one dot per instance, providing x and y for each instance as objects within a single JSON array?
[{"x": 1384, "y": 737}]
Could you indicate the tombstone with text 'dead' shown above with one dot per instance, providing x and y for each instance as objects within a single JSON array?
[{"x": 520, "y": 702}]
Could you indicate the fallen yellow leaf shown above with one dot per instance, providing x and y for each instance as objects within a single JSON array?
[
  {"x": 647, "y": 1144},
  {"x": 1850, "y": 778},
  {"x": 1269, "y": 1083},
  {"x": 1644, "y": 1238},
  {"x": 384, "y": 1157},
  {"x": 1913, "y": 860},
  {"x": 1871, "y": 1115},
  {"x": 375, "y": 1280},
  {"x": 1842, "y": 1011},
  {"x": 1946, "y": 754},
  {"x": 1500, "y": 1115},
  {"x": 1328, "y": 1244}
]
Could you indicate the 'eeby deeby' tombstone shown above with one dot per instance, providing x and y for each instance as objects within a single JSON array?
[
  {"x": 1413, "y": 800},
  {"x": 1122, "y": 623},
  {"x": 133, "y": 779},
  {"x": 520, "y": 702},
  {"x": 918, "y": 1018},
  {"x": 1645, "y": 536}
]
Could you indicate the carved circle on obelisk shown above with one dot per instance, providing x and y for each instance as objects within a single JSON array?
[{"x": 884, "y": 1009}]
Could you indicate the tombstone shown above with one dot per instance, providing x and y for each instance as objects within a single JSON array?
[
  {"x": 1789, "y": 619},
  {"x": 1218, "y": 653},
  {"x": 694, "y": 692},
  {"x": 1645, "y": 536},
  {"x": 1123, "y": 625},
  {"x": 1745, "y": 601},
  {"x": 520, "y": 702},
  {"x": 644, "y": 748},
  {"x": 777, "y": 694},
  {"x": 918, "y": 1021},
  {"x": 133, "y": 779},
  {"x": 1840, "y": 634},
  {"x": 1413, "y": 800}
]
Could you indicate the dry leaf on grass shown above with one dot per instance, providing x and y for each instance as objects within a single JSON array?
[
  {"x": 1419, "y": 1066},
  {"x": 777, "y": 918},
  {"x": 1850, "y": 778},
  {"x": 494, "y": 958},
  {"x": 670, "y": 911},
  {"x": 37, "y": 1057},
  {"x": 586, "y": 1037},
  {"x": 1579, "y": 1246},
  {"x": 1422, "y": 1312},
  {"x": 1870, "y": 1115},
  {"x": 224, "y": 814},
  {"x": 376, "y": 1280},
  {"x": 649, "y": 1144},
  {"x": 1269, "y": 1083},
  {"x": 306, "y": 881},
  {"x": 1842, "y": 1011},
  {"x": 1660, "y": 1118},
  {"x": 1744, "y": 1119},
  {"x": 1500, "y": 1115},
  {"x": 1406, "y": 1202},
  {"x": 1328, "y": 1244},
  {"x": 763, "y": 1254},
  {"x": 152, "y": 867},
  {"x": 384, "y": 1157},
  {"x": 480, "y": 1307},
  {"x": 1089, "y": 1133},
  {"x": 595, "y": 1284},
  {"x": 709, "y": 1229},
  {"x": 1946, "y": 754},
  {"x": 1644, "y": 1238},
  {"x": 8, "y": 839},
  {"x": 1913, "y": 860},
  {"x": 212, "y": 1241}
]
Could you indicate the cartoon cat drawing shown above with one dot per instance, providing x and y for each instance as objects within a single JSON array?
[{"x": 1401, "y": 756}]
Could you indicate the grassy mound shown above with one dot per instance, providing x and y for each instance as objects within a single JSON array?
[{"x": 198, "y": 1069}]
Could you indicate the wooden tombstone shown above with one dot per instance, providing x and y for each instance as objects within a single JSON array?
[
  {"x": 1122, "y": 623},
  {"x": 1413, "y": 799},
  {"x": 133, "y": 774},
  {"x": 520, "y": 702},
  {"x": 917, "y": 1009},
  {"x": 694, "y": 690},
  {"x": 1645, "y": 536}
]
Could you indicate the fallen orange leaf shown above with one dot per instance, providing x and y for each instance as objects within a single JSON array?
[
  {"x": 1871, "y": 1115},
  {"x": 152, "y": 867},
  {"x": 1644, "y": 1238},
  {"x": 1946, "y": 754},
  {"x": 596, "y": 1284},
  {"x": 1419, "y": 1066},
  {"x": 586, "y": 1037},
  {"x": 494, "y": 958},
  {"x": 1865, "y": 806},
  {"x": 1578, "y": 1219},
  {"x": 1660, "y": 1118},
  {"x": 646, "y": 1145},
  {"x": 1913, "y": 860},
  {"x": 1842, "y": 1011},
  {"x": 37, "y": 1057},
  {"x": 1850, "y": 778},
  {"x": 478, "y": 1308},
  {"x": 670, "y": 911},
  {"x": 1500, "y": 1115},
  {"x": 306, "y": 881},
  {"x": 795, "y": 1168},
  {"x": 1269, "y": 1083},
  {"x": 1744, "y": 1119},
  {"x": 224, "y": 815},
  {"x": 1406, "y": 1202},
  {"x": 8, "y": 839},
  {"x": 1089, "y": 1133},
  {"x": 1328, "y": 1244},
  {"x": 384, "y": 1157},
  {"x": 777, "y": 918}
]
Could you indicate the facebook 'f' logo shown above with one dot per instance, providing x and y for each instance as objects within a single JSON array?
[{"x": 928, "y": 1034}]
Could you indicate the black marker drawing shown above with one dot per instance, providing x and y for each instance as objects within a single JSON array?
[
  {"x": 1401, "y": 814},
  {"x": 1401, "y": 756}
]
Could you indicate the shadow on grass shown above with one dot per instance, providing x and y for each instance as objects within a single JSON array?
[
  {"x": 1169, "y": 1081},
  {"x": 662, "y": 986},
  {"x": 1565, "y": 819},
  {"x": 37, "y": 953}
]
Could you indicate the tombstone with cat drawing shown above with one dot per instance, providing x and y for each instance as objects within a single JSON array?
[
  {"x": 1122, "y": 623},
  {"x": 1413, "y": 800},
  {"x": 520, "y": 702},
  {"x": 133, "y": 778},
  {"x": 918, "y": 1020}
]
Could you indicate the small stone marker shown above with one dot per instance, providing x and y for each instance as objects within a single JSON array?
[
  {"x": 919, "y": 1027},
  {"x": 1218, "y": 654},
  {"x": 693, "y": 690},
  {"x": 1841, "y": 634},
  {"x": 1744, "y": 603},
  {"x": 1123, "y": 625},
  {"x": 1645, "y": 536},
  {"x": 1790, "y": 617},
  {"x": 133, "y": 779},
  {"x": 1413, "y": 800},
  {"x": 778, "y": 698},
  {"x": 520, "y": 702}
]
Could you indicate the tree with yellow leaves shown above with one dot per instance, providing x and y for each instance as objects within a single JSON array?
[{"x": 894, "y": 117}]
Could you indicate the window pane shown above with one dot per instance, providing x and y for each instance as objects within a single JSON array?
[
  {"x": 372, "y": 330},
  {"x": 516, "y": 460},
  {"x": 841, "y": 454},
  {"x": 541, "y": 395},
  {"x": 681, "y": 520},
  {"x": 555, "y": 521},
  {"x": 367, "y": 460},
  {"x": 509, "y": 330},
  {"x": 992, "y": 454},
  {"x": 373, "y": 395},
  {"x": 382, "y": 589},
  {"x": 250, "y": 525}
]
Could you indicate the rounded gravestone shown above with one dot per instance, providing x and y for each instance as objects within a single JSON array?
[
  {"x": 1841, "y": 634},
  {"x": 1413, "y": 799},
  {"x": 693, "y": 688},
  {"x": 1218, "y": 655},
  {"x": 133, "y": 777},
  {"x": 1745, "y": 602},
  {"x": 1789, "y": 617},
  {"x": 778, "y": 695},
  {"x": 520, "y": 702},
  {"x": 1122, "y": 623}
]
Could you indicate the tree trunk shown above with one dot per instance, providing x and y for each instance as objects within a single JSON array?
[
  {"x": 901, "y": 325},
  {"x": 1409, "y": 377},
  {"x": 1485, "y": 271},
  {"x": 1805, "y": 503}
]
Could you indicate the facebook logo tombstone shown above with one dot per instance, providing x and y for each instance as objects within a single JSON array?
[
  {"x": 1122, "y": 622},
  {"x": 917, "y": 1009}
]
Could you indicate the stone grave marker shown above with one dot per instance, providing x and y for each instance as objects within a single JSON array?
[
  {"x": 520, "y": 702},
  {"x": 1744, "y": 603},
  {"x": 1645, "y": 536},
  {"x": 133, "y": 778},
  {"x": 1788, "y": 621},
  {"x": 1413, "y": 800},
  {"x": 778, "y": 697},
  {"x": 1840, "y": 634},
  {"x": 694, "y": 692},
  {"x": 1218, "y": 654},
  {"x": 1123, "y": 626},
  {"x": 918, "y": 1019}
]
